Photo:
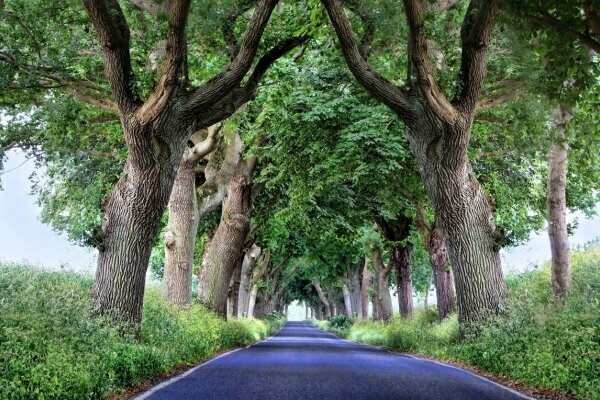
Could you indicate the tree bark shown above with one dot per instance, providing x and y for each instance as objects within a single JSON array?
[
  {"x": 557, "y": 206},
  {"x": 347, "y": 300},
  {"x": 180, "y": 238},
  {"x": 397, "y": 232},
  {"x": 442, "y": 274},
  {"x": 402, "y": 264},
  {"x": 132, "y": 215},
  {"x": 355, "y": 294},
  {"x": 180, "y": 235},
  {"x": 225, "y": 251},
  {"x": 463, "y": 212},
  {"x": 367, "y": 277},
  {"x": 252, "y": 301},
  {"x": 234, "y": 290},
  {"x": 382, "y": 294},
  {"x": 248, "y": 264}
]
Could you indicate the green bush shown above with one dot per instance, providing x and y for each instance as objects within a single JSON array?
[
  {"x": 51, "y": 347},
  {"x": 542, "y": 343},
  {"x": 536, "y": 341}
]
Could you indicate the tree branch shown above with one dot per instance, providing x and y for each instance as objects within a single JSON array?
[
  {"x": 476, "y": 35},
  {"x": 275, "y": 53},
  {"x": 211, "y": 193},
  {"x": 503, "y": 92},
  {"x": 203, "y": 148},
  {"x": 235, "y": 71},
  {"x": 592, "y": 17},
  {"x": 264, "y": 263},
  {"x": 421, "y": 65},
  {"x": 174, "y": 58},
  {"x": 548, "y": 21},
  {"x": 361, "y": 9},
  {"x": 53, "y": 78},
  {"x": 113, "y": 32},
  {"x": 238, "y": 9},
  {"x": 379, "y": 86},
  {"x": 443, "y": 5}
]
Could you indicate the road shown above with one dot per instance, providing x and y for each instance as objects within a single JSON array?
[{"x": 303, "y": 362}]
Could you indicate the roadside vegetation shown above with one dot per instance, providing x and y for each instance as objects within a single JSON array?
[
  {"x": 537, "y": 341},
  {"x": 52, "y": 347}
]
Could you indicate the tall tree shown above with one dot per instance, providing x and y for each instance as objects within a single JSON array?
[
  {"x": 438, "y": 131},
  {"x": 566, "y": 35},
  {"x": 156, "y": 129}
]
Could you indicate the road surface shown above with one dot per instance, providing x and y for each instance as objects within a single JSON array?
[{"x": 303, "y": 362}]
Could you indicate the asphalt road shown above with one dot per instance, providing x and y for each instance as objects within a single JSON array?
[{"x": 303, "y": 362}]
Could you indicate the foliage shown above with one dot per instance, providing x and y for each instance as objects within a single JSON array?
[
  {"x": 537, "y": 341},
  {"x": 52, "y": 347},
  {"x": 338, "y": 324}
]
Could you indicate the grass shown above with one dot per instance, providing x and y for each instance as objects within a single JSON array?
[
  {"x": 536, "y": 342},
  {"x": 51, "y": 347}
]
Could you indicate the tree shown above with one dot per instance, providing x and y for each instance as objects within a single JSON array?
[
  {"x": 181, "y": 231},
  {"x": 225, "y": 252},
  {"x": 397, "y": 232},
  {"x": 566, "y": 35},
  {"x": 155, "y": 130},
  {"x": 439, "y": 131}
]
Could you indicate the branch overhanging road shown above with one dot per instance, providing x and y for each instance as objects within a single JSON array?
[{"x": 303, "y": 362}]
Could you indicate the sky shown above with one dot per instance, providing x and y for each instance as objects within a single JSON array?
[{"x": 24, "y": 238}]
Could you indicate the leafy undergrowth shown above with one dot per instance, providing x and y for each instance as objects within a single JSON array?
[
  {"x": 536, "y": 342},
  {"x": 52, "y": 348}
]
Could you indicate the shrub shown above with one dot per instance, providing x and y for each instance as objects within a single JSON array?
[
  {"x": 536, "y": 341},
  {"x": 51, "y": 347}
]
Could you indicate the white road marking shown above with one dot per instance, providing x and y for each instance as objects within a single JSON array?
[
  {"x": 523, "y": 396},
  {"x": 166, "y": 383}
]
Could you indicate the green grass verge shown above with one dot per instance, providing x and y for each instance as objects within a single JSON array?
[
  {"x": 51, "y": 347},
  {"x": 537, "y": 342}
]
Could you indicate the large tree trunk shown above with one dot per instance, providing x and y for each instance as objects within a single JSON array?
[
  {"x": 319, "y": 312},
  {"x": 347, "y": 300},
  {"x": 464, "y": 213},
  {"x": 364, "y": 291},
  {"x": 180, "y": 237},
  {"x": 225, "y": 251},
  {"x": 402, "y": 264},
  {"x": 442, "y": 274},
  {"x": 132, "y": 215},
  {"x": 557, "y": 206},
  {"x": 382, "y": 287}
]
